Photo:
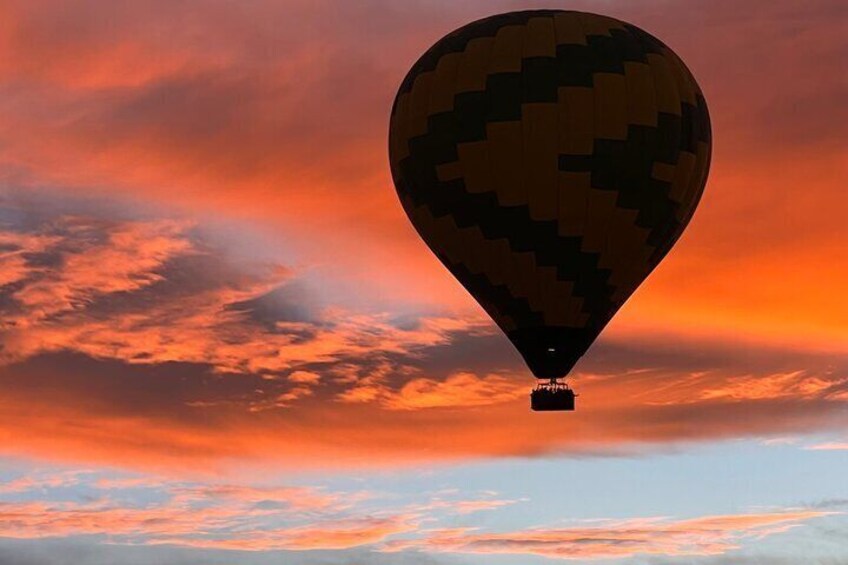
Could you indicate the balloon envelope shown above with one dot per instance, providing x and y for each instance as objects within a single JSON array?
[{"x": 550, "y": 159}]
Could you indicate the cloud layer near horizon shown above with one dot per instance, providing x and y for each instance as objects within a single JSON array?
[{"x": 140, "y": 511}]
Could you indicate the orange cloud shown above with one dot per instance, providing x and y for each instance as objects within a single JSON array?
[
  {"x": 343, "y": 534},
  {"x": 13, "y": 249},
  {"x": 55, "y": 308},
  {"x": 795, "y": 384},
  {"x": 125, "y": 262},
  {"x": 457, "y": 391},
  {"x": 298, "y": 499},
  {"x": 237, "y": 112},
  {"x": 155, "y": 424},
  {"x": 133, "y": 341},
  {"x": 188, "y": 509},
  {"x": 218, "y": 516},
  {"x": 304, "y": 377},
  {"x": 165, "y": 352},
  {"x": 266, "y": 518},
  {"x": 709, "y": 535},
  {"x": 32, "y": 520}
]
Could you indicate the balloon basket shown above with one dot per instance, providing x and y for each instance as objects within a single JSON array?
[{"x": 552, "y": 396}]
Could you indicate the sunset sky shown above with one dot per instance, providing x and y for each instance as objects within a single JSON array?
[{"x": 221, "y": 340}]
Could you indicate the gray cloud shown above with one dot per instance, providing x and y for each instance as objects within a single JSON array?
[{"x": 90, "y": 552}]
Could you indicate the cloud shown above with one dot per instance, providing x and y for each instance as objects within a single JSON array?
[
  {"x": 39, "y": 481},
  {"x": 166, "y": 349},
  {"x": 456, "y": 391},
  {"x": 708, "y": 535},
  {"x": 159, "y": 322},
  {"x": 344, "y": 534},
  {"x": 236, "y": 111},
  {"x": 304, "y": 377},
  {"x": 829, "y": 446},
  {"x": 78, "y": 260},
  {"x": 188, "y": 510},
  {"x": 118, "y": 289},
  {"x": 133, "y": 510},
  {"x": 150, "y": 511},
  {"x": 75, "y": 551}
]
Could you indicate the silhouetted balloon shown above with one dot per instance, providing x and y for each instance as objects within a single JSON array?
[{"x": 550, "y": 159}]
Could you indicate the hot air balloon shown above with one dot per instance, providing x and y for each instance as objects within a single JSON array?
[{"x": 550, "y": 159}]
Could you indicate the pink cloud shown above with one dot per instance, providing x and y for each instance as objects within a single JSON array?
[
  {"x": 299, "y": 518},
  {"x": 342, "y": 534},
  {"x": 708, "y": 535},
  {"x": 188, "y": 509},
  {"x": 829, "y": 446},
  {"x": 219, "y": 516}
]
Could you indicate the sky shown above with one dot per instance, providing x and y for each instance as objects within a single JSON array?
[{"x": 221, "y": 341}]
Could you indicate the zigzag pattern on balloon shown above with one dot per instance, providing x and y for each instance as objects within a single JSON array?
[{"x": 550, "y": 159}]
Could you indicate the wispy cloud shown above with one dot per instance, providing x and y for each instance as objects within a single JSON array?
[
  {"x": 707, "y": 535},
  {"x": 829, "y": 446},
  {"x": 117, "y": 290},
  {"x": 216, "y": 515},
  {"x": 455, "y": 391},
  {"x": 342, "y": 534},
  {"x": 138, "y": 510}
]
